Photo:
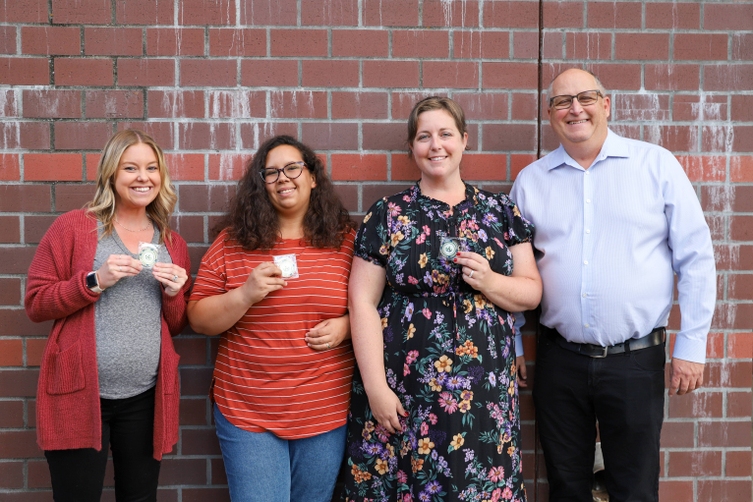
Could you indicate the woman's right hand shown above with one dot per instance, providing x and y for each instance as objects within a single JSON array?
[
  {"x": 264, "y": 279},
  {"x": 115, "y": 268},
  {"x": 386, "y": 407}
]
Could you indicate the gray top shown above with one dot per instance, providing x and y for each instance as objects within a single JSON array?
[{"x": 127, "y": 320}]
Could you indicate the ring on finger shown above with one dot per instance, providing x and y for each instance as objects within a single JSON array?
[
  {"x": 328, "y": 345},
  {"x": 120, "y": 269},
  {"x": 175, "y": 278},
  {"x": 471, "y": 274}
]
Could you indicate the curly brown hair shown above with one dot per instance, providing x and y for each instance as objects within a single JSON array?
[{"x": 252, "y": 219}]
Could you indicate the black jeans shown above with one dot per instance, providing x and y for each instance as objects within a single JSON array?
[
  {"x": 127, "y": 428},
  {"x": 625, "y": 393}
]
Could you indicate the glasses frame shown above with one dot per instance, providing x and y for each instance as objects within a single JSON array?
[
  {"x": 573, "y": 97},
  {"x": 300, "y": 163}
]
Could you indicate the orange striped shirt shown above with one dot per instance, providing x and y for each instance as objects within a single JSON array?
[{"x": 265, "y": 376}]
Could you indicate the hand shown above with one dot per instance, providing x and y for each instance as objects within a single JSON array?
[
  {"x": 264, "y": 279},
  {"x": 686, "y": 376},
  {"x": 171, "y": 276},
  {"x": 115, "y": 268},
  {"x": 520, "y": 363},
  {"x": 475, "y": 268},
  {"x": 329, "y": 333},
  {"x": 386, "y": 406}
]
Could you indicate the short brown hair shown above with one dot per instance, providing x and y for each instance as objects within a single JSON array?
[{"x": 435, "y": 103}]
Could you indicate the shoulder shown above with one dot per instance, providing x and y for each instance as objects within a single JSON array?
[{"x": 68, "y": 225}]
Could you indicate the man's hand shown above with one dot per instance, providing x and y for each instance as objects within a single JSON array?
[{"x": 686, "y": 376}]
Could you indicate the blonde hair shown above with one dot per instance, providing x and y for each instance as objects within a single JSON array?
[{"x": 102, "y": 206}]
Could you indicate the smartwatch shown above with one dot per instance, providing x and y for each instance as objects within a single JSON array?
[{"x": 92, "y": 282}]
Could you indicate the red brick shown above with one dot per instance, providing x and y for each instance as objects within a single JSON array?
[
  {"x": 58, "y": 40},
  {"x": 253, "y": 135},
  {"x": 704, "y": 168},
  {"x": 162, "y": 132},
  {"x": 384, "y": 136},
  {"x": 420, "y": 44},
  {"x": 174, "y": 42},
  {"x": 206, "y": 198},
  {"x": 650, "y": 107},
  {"x": 374, "y": 192},
  {"x": 716, "y": 138},
  {"x": 675, "y": 490},
  {"x": 11, "y": 474},
  {"x": 701, "y": 108},
  {"x": 8, "y": 35},
  {"x": 183, "y": 471},
  {"x": 741, "y": 168},
  {"x": 511, "y": 14},
  {"x": 329, "y": 12},
  {"x": 203, "y": 494},
  {"x": 738, "y": 464},
  {"x": 727, "y": 77},
  {"x": 146, "y": 72},
  {"x": 69, "y": 197},
  {"x": 298, "y": 104},
  {"x": 206, "y": 12},
  {"x": 727, "y": 17},
  {"x": 24, "y": 11},
  {"x": 35, "y": 227},
  {"x": 39, "y": 474},
  {"x": 742, "y": 139},
  {"x": 742, "y": 201},
  {"x": 52, "y": 104},
  {"x": 81, "y": 11},
  {"x": 673, "y": 15},
  {"x": 484, "y": 166},
  {"x": 441, "y": 13},
  {"x": 518, "y": 162},
  {"x": 359, "y": 105},
  {"x": 193, "y": 411},
  {"x": 203, "y": 136},
  {"x": 191, "y": 228},
  {"x": 10, "y": 233},
  {"x": 227, "y": 166},
  {"x": 525, "y": 45},
  {"x": 229, "y": 42},
  {"x": 677, "y": 434},
  {"x": 564, "y": 15},
  {"x": 195, "y": 381},
  {"x": 453, "y": 74},
  {"x": 524, "y": 106},
  {"x": 484, "y": 106},
  {"x": 474, "y": 45},
  {"x": 52, "y": 166},
  {"x": 113, "y": 41},
  {"x": 742, "y": 108},
  {"x": 330, "y": 73},
  {"x": 193, "y": 349},
  {"x": 509, "y": 137},
  {"x": 10, "y": 293},
  {"x": 359, "y": 167},
  {"x": 11, "y": 352},
  {"x": 80, "y": 71},
  {"x": 298, "y": 42},
  {"x": 348, "y": 195},
  {"x": 361, "y": 42},
  {"x": 553, "y": 45},
  {"x": 330, "y": 135},
  {"x": 25, "y": 198},
  {"x": 81, "y": 135},
  {"x": 8, "y": 104},
  {"x": 509, "y": 75},
  {"x": 393, "y": 13},
  {"x": 269, "y": 73},
  {"x": 19, "y": 444},
  {"x": 208, "y": 72},
  {"x": 741, "y": 288},
  {"x": 185, "y": 166},
  {"x": 623, "y": 76},
  {"x": 723, "y": 489},
  {"x": 695, "y": 463},
  {"x": 742, "y": 46},
  {"x": 24, "y": 71},
  {"x": 739, "y": 404},
  {"x": 402, "y": 104},
  {"x": 144, "y": 12},
  {"x": 644, "y": 46},
  {"x": 700, "y": 46},
  {"x": 16, "y": 383},
  {"x": 269, "y": 12},
  {"x": 25, "y": 135},
  {"x": 390, "y": 74},
  {"x": 611, "y": 15},
  {"x": 114, "y": 104},
  {"x": 91, "y": 162},
  {"x": 703, "y": 404},
  {"x": 236, "y": 104},
  {"x": 590, "y": 45},
  {"x": 729, "y": 372}
]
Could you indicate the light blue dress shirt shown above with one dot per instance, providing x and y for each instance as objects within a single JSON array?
[{"x": 609, "y": 241}]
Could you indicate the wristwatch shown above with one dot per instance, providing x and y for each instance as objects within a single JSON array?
[{"x": 92, "y": 282}]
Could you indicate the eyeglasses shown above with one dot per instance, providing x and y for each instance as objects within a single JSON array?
[
  {"x": 585, "y": 98},
  {"x": 292, "y": 171}
]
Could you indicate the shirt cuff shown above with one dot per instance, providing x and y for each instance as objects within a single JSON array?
[{"x": 690, "y": 349}]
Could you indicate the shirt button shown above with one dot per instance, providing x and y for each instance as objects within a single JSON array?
[
  {"x": 584, "y": 295},
  {"x": 585, "y": 262},
  {"x": 588, "y": 230},
  {"x": 588, "y": 172},
  {"x": 588, "y": 201},
  {"x": 586, "y": 325}
]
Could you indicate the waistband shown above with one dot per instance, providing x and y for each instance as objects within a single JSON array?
[{"x": 654, "y": 338}]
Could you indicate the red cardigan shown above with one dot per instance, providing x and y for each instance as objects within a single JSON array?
[{"x": 68, "y": 411}]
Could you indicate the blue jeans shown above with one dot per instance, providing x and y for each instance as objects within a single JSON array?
[{"x": 262, "y": 467}]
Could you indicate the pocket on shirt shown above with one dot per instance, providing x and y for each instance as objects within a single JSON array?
[{"x": 65, "y": 372}]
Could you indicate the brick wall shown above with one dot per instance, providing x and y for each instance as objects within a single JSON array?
[{"x": 212, "y": 79}]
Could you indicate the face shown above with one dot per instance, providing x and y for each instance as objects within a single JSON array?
[
  {"x": 289, "y": 197},
  {"x": 137, "y": 182},
  {"x": 579, "y": 126},
  {"x": 438, "y": 146}
]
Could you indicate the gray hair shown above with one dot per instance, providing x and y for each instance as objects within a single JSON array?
[{"x": 599, "y": 85}]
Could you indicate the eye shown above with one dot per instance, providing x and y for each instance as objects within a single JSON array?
[
  {"x": 422, "y": 137},
  {"x": 446, "y": 134},
  {"x": 153, "y": 168}
]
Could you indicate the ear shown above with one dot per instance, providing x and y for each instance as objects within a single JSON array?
[
  {"x": 607, "y": 105},
  {"x": 313, "y": 180}
]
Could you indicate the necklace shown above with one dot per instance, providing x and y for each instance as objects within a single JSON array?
[{"x": 148, "y": 224}]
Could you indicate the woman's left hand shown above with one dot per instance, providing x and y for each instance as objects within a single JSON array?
[
  {"x": 171, "y": 276},
  {"x": 329, "y": 334},
  {"x": 476, "y": 269}
]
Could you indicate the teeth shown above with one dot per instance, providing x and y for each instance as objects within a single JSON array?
[
  {"x": 578, "y": 122},
  {"x": 141, "y": 189}
]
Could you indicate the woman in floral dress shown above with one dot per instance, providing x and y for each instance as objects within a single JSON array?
[{"x": 434, "y": 405}]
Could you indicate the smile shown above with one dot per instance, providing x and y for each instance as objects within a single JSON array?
[
  {"x": 434, "y": 159},
  {"x": 576, "y": 122},
  {"x": 141, "y": 189}
]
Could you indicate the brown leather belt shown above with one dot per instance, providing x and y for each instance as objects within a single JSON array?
[{"x": 654, "y": 338}]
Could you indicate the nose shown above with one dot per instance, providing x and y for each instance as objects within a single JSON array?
[
  {"x": 434, "y": 143},
  {"x": 575, "y": 107}
]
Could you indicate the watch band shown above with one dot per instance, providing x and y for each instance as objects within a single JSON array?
[{"x": 92, "y": 282}]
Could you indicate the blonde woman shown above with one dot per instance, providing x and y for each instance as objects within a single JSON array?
[{"x": 109, "y": 371}]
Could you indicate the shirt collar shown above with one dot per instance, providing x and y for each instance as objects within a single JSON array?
[{"x": 614, "y": 146}]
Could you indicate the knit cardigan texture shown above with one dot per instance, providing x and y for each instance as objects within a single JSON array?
[{"x": 68, "y": 406}]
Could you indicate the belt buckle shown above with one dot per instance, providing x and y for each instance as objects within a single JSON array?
[{"x": 603, "y": 353}]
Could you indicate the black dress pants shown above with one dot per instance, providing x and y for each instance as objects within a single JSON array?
[
  {"x": 127, "y": 428},
  {"x": 625, "y": 393}
]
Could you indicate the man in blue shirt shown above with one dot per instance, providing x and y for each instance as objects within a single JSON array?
[{"x": 616, "y": 219}]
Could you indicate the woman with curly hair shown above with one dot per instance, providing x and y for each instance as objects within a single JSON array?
[
  {"x": 274, "y": 285},
  {"x": 109, "y": 374}
]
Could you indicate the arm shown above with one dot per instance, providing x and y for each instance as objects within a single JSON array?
[
  {"x": 517, "y": 292},
  {"x": 216, "y": 314},
  {"x": 520, "y": 358},
  {"x": 367, "y": 282}
]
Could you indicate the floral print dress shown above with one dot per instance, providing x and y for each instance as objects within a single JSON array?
[{"x": 448, "y": 353}]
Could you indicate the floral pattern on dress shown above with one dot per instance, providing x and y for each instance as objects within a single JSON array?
[{"x": 448, "y": 353}]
